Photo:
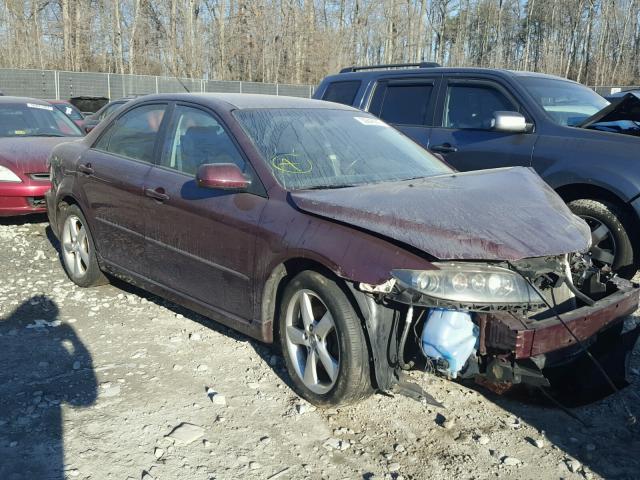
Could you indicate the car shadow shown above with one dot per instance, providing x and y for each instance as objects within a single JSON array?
[
  {"x": 599, "y": 434},
  {"x": 24, "y": 219},
  {"x": 45, "y": 367},
  {"x": 270, "y": 354}
]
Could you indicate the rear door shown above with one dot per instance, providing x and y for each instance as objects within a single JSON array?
[
  {"x": 201, "y": 242},
  {"x": 463, "y": 133},
  {"x": 407, "y": 104},
  {"x": 111, "y": 176}
]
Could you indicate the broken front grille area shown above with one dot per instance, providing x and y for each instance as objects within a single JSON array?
[
  {"x": 37, "y": 202},
  {"x": 41, "y": 177}
]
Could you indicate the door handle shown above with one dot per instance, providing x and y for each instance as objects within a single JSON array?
[
  {"x": 156, "y": 194},
  {"x": 444, "y": 148},
  {"x": 85, "y": 168}
]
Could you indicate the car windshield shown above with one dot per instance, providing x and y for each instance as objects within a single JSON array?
[
  {"x": 109, "y": 109},
  {"x": 69, "y": 111},
  {"x": 35, "y": 120},
  {"x": 567, "y": 103},
  {"x": 322, "y": 148}
]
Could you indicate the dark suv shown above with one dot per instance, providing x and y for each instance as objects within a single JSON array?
[{"x": 485, "y": 118}]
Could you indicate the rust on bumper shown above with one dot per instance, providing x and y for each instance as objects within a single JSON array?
[{"x": 526, "y": 338}]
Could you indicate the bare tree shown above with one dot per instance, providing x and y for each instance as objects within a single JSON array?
[{"x": 300, "y": 41}]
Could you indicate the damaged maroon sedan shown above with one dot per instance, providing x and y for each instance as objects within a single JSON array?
[{"x": 322, "y": 229}]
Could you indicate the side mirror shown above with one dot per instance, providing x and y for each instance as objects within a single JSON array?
[
  {"x": 222, "y": 176},
  {"x": 509, "y": 122},
  {"x": 88, "y": 128}
]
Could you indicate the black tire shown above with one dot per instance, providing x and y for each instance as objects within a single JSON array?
[
  {"x": 620, "y": 243},
  {"x": 353, "y": 381},
  {"x": 92, "y": 275}
]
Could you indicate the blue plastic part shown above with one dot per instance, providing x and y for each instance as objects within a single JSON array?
[{"x": 450, "y": 335}]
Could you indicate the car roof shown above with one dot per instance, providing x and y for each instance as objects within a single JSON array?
[
  {"x": 17, "y": 100},
  {"x": 408, "y": 72},
  {"x": 242, "y": 101}
]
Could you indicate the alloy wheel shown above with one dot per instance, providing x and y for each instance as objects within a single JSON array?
[
  {"x": 312, "y": 341},
  {"x": 75, "y": 246},
  {"x": 603, "y": 244}
]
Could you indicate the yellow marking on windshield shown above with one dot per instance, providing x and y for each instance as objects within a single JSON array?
[{"x": 287, "y": 163}]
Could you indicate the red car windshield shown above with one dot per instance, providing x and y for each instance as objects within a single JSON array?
[{"x": 35, "y": 120}]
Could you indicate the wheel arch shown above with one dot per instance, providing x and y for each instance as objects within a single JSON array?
[
  {"x": 575, "y": 191},
  {"x": 283, "y": 273},
  {"x": 61, "y": 203}
]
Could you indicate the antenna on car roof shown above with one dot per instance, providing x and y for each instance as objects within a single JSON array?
[
  {"x": 391, "y": 65},
  {"x": 181, "y": 83}
]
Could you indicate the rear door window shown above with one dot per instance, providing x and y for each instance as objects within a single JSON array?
[
  {"x": 134, "y": 134},
  {"x": 404, "y": 101},
  {"x": 406, "y": 104},
  {"x": 342, "y": 92}
]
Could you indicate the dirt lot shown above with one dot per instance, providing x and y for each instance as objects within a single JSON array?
[{"x": 94, "y": 382}]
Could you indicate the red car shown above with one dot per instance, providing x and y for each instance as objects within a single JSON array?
[
  {"x": 321, "y": 228},
  {"x": 29, "y": 129},
  {"x": 70, "y": 111}
]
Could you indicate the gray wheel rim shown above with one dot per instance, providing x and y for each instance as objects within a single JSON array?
[
  {"x": 75, "y": 246},
  {"x": 603, "y": 244},
  {"x": 312, "y": 341}
]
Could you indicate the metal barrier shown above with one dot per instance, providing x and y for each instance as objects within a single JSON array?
[
  {"x": 609, "y": 90},
  {"x": 56, "y": 84}
]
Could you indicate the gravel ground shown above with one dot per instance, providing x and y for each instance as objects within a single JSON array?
[{"x": 113, "y": 383}]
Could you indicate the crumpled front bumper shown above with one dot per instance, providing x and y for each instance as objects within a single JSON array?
[
  {"x": 22, "y": 198},
  {"x": 526, "y": 338},
  {"x": 546, "y": 353}
]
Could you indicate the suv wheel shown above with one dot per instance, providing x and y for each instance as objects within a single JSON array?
[
  {"x": 77, "y": 249},
  {"x": 611, "y": 242},
  {"x": 323, "y": 343}
]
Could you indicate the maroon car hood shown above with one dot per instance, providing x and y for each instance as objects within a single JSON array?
[
  {"x": 29, "y": 154},
  {"x": 502, "y": 214}
]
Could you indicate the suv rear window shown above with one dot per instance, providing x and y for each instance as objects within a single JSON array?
[
  {"x": 406, "y": 104},
  {"x": 342, "y": 92}
]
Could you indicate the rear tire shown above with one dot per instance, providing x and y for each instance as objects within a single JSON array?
[
  {"x": 323, "y": 342},
  {"x": 77, "y": 249},
  {"x": 611, "y": 238}
]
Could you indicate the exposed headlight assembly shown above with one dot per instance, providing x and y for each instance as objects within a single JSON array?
[
  {"x": 470, "y": 285},
  {"x": 7, "y": 175}
]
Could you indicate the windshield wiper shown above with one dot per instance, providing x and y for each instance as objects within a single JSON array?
[
  {"x": 327, "y": 187},
  {"x": 45, "y": 135}
]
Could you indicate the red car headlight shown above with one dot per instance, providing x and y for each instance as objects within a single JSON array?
[{"x": 7, "y": 175}]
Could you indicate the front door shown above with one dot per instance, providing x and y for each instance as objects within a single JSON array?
[
  {"x": 201, "y": 242},
  {"x": 111, "y": 176},
  {"x": 463, "y": 133}
]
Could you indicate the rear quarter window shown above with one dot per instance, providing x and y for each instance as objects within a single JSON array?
[{"x": 342, "y": 92}]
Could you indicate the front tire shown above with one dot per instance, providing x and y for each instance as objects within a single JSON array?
[
  {"x": 610, "y": 237},
  {"x": 77, "y": 249},
  {"x": 323, "y": 342}
]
